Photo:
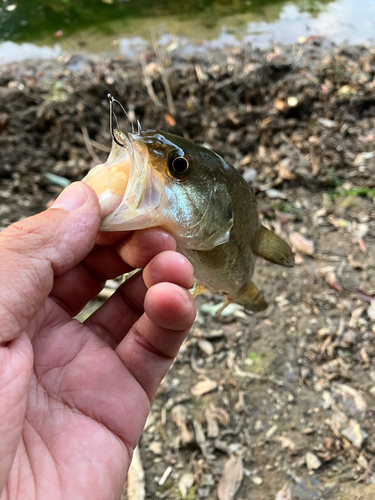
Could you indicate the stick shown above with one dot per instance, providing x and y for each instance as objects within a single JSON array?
[
  {"x": 89, "y": 147},
  {"x": 168, "y": 93}
]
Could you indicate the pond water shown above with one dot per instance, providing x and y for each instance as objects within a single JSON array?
[{"x": 48, "y": 28}]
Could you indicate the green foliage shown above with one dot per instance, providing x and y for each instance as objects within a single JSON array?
[{"x": 33, "y": 20}]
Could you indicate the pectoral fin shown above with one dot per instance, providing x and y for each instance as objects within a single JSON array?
[
  {"x": 271, "y": 247},
  {"x": 251, "y": 298}
]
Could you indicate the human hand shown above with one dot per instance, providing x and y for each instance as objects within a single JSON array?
[{"x": 74, "y": 397}]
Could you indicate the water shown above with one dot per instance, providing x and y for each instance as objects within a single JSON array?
[{"x": 48, "y": 28}]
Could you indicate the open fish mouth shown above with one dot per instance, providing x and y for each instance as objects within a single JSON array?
[{"x": 130, "y": 191}]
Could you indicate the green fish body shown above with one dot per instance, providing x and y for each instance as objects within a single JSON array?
[{"x": 202, "y": 201}]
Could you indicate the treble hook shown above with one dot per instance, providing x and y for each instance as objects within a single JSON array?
[{"x": 112, "y": 114}]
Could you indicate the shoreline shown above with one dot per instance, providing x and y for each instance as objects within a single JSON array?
[{"x": 253, "y": 106}]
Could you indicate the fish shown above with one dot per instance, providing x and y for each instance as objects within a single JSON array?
[{"x": 157, "y": 179}]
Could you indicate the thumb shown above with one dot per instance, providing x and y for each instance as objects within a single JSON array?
[{"x": 34, "y": 250}]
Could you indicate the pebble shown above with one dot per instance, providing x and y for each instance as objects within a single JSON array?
[
  {"x": 312, "y": 461},
  {"x": 354, "y": 433}
]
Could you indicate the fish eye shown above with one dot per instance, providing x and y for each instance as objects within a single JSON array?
[{"x": 178, "y": 166}]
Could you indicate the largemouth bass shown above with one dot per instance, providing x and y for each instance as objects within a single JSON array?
[{"x": 153, "y": 178}]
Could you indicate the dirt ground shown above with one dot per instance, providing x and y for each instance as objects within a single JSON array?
[{"x": 274, "y": 406}]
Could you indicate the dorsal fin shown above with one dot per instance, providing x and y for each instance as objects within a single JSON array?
[{"x": 271, "y": 247}]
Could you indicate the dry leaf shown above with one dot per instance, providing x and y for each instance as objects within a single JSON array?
[
  {"x": 301, "y": 244},
  {"x": 136, "y": 478},
  {"x": 170, "y": 120},
  {"x": 203, "y": 387},
  {"x": 231, "y": 479},
  {"x": 365, "y": 296},
  {"x": 364, "y": 356},
  {"x": 331, "y": 279},
  {"x": 284, "y": 494},
  {"x": 212, "y": 425},
  {"x": 350, "y": 399},
  {"x": 185, "y": 483},
  {"x": 298, "y": 259},
  {"x": 215, "y": 416},
  {"x": 284, "y": 170},
  {"x": 286, "y": 443},
  {"x": 279, "y": 104},
  {"x": 179, "y": 415}
]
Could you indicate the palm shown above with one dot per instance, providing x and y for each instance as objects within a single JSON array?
[
  {"x": 76, "y": 411},
  {"x": 91, "y": 384}
]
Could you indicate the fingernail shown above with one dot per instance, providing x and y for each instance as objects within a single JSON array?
[{"x": 71, "y": 198}]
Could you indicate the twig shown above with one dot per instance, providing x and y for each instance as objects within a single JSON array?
[
  {"x": 367, "y": 472},
  {"x": 168, "y": 93},
  {"x": 148, "y": 82},
  {"x": 101, "y": 147},
  {"x": 89, "y": 147}
]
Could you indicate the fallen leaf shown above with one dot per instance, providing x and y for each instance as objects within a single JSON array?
[
  {"x": 231, "y": 479},
  {"x": 203, "y": 387},
  {"x": 298, "y": 259},
  {"x": 338, "y": 222},
  {"x": 179, "y": 417},
  {"x": 331, "y": 279},
  {"x": 185, "y": 483},
  {"x": 170, "y": 120},
  {"x": 284, "y": 170},
  {"x": 365, "y": 296},
  {"x": 279, "y": 104},
  {"x": 364, "y": 356},
  {"x": 301, "y": 244},
  {"x": 350, "y": 399},
  {"x": 284, "y": 494}
]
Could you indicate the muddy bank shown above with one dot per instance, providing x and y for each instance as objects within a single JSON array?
[{"x": 290, "y": 393}]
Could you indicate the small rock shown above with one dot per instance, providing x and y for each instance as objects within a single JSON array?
[
  {"x": 354, "y": 433},
  {"x": 371, "y": 311},
  {"x": 326, "y": 122},
  {"x": 312, "y": 461},
  {"x": 275, "y": 193},
  {"x": 257, "y": 480},
  {"x": 156, "y": 448},
  {"x": 328, "y": 400},
  {"x": 250, "y": 175},
  {"x": 292, "y": 101},
  {"x": 206, "y": 347}
]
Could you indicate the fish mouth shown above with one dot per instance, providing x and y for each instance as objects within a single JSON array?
[{"x": 145, "y": 188}]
